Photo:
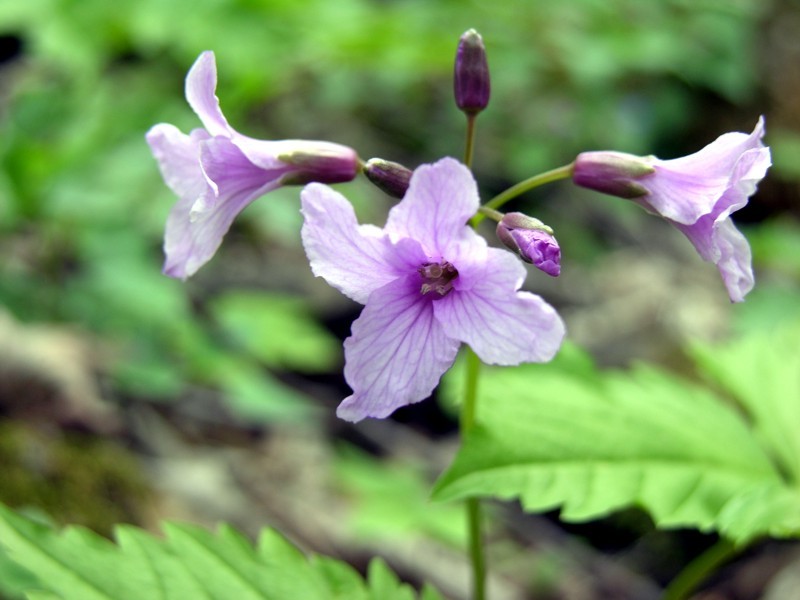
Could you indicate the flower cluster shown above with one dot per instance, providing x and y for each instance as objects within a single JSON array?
[{"x": 427, "y": 280}]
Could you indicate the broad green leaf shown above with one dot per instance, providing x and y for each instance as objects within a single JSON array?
[
  {"x": 384, "y": 583},
  {"x": 771, "y": 510},
  {"x": 595, "y": 445},
  {"x": 189, "y": 562},
  {"x": 762, "y": 372},
  {"x": 277, "y": 329},
  {"x": 14, "y": 580}
]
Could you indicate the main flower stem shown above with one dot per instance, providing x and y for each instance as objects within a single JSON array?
[
  {"x": 522, "y": 187},
  {"x": 469, "y": 146},
  {"x": 466, "y": 423},
  {"x": 473, "y": 504}
]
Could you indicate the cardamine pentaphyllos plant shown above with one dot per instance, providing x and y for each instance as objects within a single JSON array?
[{"x": 427, "y": 280}]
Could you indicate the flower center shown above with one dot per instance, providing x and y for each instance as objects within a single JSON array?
[{"x": 437, "y": 277}]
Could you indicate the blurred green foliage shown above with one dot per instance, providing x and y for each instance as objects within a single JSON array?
[{"x": 82, "y": 205}]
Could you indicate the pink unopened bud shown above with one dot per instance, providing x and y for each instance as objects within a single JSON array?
[
  {"x": 471, "y": 80},
  {"x": 390, "y": 176},
  {"x": 532, "y": 240},
  {"x": 614, "y": 173}
]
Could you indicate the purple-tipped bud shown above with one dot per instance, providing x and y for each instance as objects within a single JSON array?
[
  {"x": 471, "y": 81},
  {"x": 532, "y": 240},
  {"x": 324, "y": 162},
  {"x": 614, "y": 173},
  {"x": 390, "y": 176}
]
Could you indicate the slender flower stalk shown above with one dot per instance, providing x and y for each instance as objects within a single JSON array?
[
  {"x": 699, "y": 570},
  {"x": 520, "y": 188},
  {"x": 473, "y": 505}
]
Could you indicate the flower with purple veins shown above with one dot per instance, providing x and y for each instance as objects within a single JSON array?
[
  {"x": 696, "y": 193},
  {"x": 428, "y": 282},
  {"x": 216, "y": 172}
]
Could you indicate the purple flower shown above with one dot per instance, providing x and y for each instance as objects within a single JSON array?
[
  {"x": 532, "y": 240},
  {"x": 216, "y": 172},
  {"x": 696, "y": 193},
  {"x": 428, "y": 283}
]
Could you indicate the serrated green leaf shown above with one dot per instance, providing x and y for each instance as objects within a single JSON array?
[
  {"x": 168, "y": 576},
  {"x": 343, "y": 580},
  {"x": 762, "y": 372},
  {"x": 636, "y": 438},
  {"x": 190, "y": 562},
  {"x": 430, "y": 593},
  {"x": 769, "y": 510},
  {"x": 384, "y": 584}
]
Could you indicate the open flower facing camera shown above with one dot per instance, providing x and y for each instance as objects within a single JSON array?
[{"x": 428, "y": 283}]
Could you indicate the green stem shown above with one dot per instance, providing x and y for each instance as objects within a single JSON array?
[
  {"x": 494, "y": 215},
  {"x": 470, "y": 391},
  {"x": 469, "y": 146},
  {"x": 467, "y": 422},
  {"x": 473, "y": 504},
  {"x": 522, "y": 187},
  {"x": 698, "y": 570}
]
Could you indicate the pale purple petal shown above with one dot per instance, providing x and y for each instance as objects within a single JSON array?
[
  {"x": 718, "y": 159},
  {"x": 397, "y": 352},
  {"x": 355, "y": 259},
  {"x": 718, "y": 241},
  {"x": 684, "y": 189},
  {"x": 178, "y": 157},
  {"x": 503, "y": 326},
  {"x": 441, "y": 198},
  {"x": 714, "y": 235},
  {"x": 264, "y": 153},
  {"x": 735, "y": 261},
  {"x": 201, "y": 85},
  {"x": 195, "y": 227}
]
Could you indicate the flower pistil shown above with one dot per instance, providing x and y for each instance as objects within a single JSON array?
[{"x": 437, "y": 277}]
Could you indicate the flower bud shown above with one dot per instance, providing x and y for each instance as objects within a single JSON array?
[
  {"x": 389, "y": 176},
  {"x": 324, "y": 162},
  {"x": 532, "y": 240},
  {"x": 614, "y": 173},
  {"x": 471, "y": 77}
]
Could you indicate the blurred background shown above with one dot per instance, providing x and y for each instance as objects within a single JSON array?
[{"x": 126, "y": 396}]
